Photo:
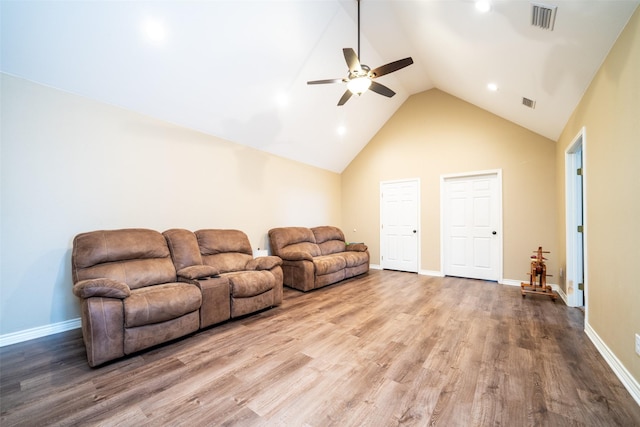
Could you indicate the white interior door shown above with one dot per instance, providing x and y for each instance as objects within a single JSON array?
[
  {"x": 472, "y": 226},
  {"x": 576, "y": 286},
  {"x": 579, "y": 230},
  {"x": 399, "y": 234}
]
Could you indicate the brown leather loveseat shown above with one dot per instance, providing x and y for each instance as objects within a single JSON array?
[
  {"x": 317, "y": 257},
  {"x": 134, "y": 295},
  {"x": 254, "y": 284}
]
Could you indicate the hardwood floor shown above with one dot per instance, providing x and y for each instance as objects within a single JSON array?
[{"x": 383, "y": 349}]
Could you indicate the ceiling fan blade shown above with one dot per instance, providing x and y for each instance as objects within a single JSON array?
[
  {"x": 345, "y": 98},
  {"x": 322, "y": 82},
  {"x": 352, "y": 60},
  {"x": 391, "y": 67},
  {"x": 381, "y": 89}
]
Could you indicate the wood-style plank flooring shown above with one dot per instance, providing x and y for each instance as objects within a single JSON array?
[{"x": 384, "y": 349}]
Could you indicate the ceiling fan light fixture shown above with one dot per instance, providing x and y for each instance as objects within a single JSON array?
[
  {"x": 359, "y": 85},
  {"x": 360, "y": 77}
]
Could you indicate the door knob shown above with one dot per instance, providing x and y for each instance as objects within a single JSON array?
[
  {"x": 494, "y": 232},
  {"x": 415, "y": 231}
]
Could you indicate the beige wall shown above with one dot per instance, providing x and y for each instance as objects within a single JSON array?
[
  {"x": 610, "y": 114},
  {"x": 69, "y": 164},
  {"x": 434, "y": 133}
]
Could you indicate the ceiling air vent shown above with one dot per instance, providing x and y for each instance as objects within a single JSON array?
[
  {"x": 528, "y": 102},
  {"x": 543, "y": 16}
]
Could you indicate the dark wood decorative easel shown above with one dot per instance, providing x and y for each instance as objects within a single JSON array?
[{"x": 538, "y": 277}]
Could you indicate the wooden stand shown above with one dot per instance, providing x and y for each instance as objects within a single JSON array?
[{"x": 538, "y": 277}]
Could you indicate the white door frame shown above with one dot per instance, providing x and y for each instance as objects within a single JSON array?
[
  {"x": 443, "y": 178},
  {"x": 572, "y": 241},
  {"x": 418, "y": 218}
]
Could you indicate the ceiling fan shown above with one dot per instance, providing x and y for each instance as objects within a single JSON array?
[{"x": 361, "y": 77}]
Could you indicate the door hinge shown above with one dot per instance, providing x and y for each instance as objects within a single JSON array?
[
  {"x": 581, "y": 286},
  {"x": 580, "y": 229},
  {"x": 579, "y": 171}
]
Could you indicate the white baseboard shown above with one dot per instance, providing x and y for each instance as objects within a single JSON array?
[
  {"x": 560, "y": 292},
  {"x": 510, "y": 282},
  {"x": 618, "y": 368},
  {"x": 40, "y": 331},
  {"x": 375, "y": 266}
]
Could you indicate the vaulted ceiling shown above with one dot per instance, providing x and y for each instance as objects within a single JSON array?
[{"x": 238, "y": 69}]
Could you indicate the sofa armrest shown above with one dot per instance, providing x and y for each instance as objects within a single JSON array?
[
  {"x": 264, "y": 263},
  {"x": 101, "y": 287},
  {"x": 194, "y": 272},
  {"x": 296, "y": 256},
  {"x": 357, "y": 247}
]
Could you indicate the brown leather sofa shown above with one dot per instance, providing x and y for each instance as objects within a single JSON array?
[
  {"x": 317, "y": 257},
  {"x": 136, "y": 292}
]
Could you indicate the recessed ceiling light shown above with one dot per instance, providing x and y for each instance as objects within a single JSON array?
[
  {"x": 492, "y": 87},
  {"x": 483, "y": 6},
  {"x": 154, "y": 30},
  {"x": 282, "y": 100},
  {"x": 341, "y": 130}
]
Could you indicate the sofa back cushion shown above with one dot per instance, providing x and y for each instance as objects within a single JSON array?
[
  {"x": 329, "y": 239},
  {"x": 293, "y": 239},
  {"x": 135, "y": 256},
  {"x": 226, "y": 250},
  {"x": 183, "y": 245}
]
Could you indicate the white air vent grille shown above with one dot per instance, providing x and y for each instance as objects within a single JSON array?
[
  {"x": 543, "y": 16},
  {"x": 528, "y": 102}
]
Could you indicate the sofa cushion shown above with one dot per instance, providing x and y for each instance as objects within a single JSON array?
[
  {"x": 328, "y": 264},
  {"x": 295, "y": 256},
  {"x": 183, "y": 245},
  {"x": 329, "y": 239},
  {"x": 226, "y": 250},
  {"x": 293, "y": 239},
  {"x": 332, "y": 247},
  {"x": 215, "y": 241},
  {"x": 354, "y": 259},
  {"x": 138, "y": 257},
  {"x": 136, "y": 273},
  {"x": 159, "y": 303},
  {"x": 245, "y": 284},
  {"x": 229, "y": 262},
  {"x": 99, "y": 247}
]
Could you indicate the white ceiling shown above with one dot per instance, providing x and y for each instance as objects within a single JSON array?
[{"x": 238, "y": 69}]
